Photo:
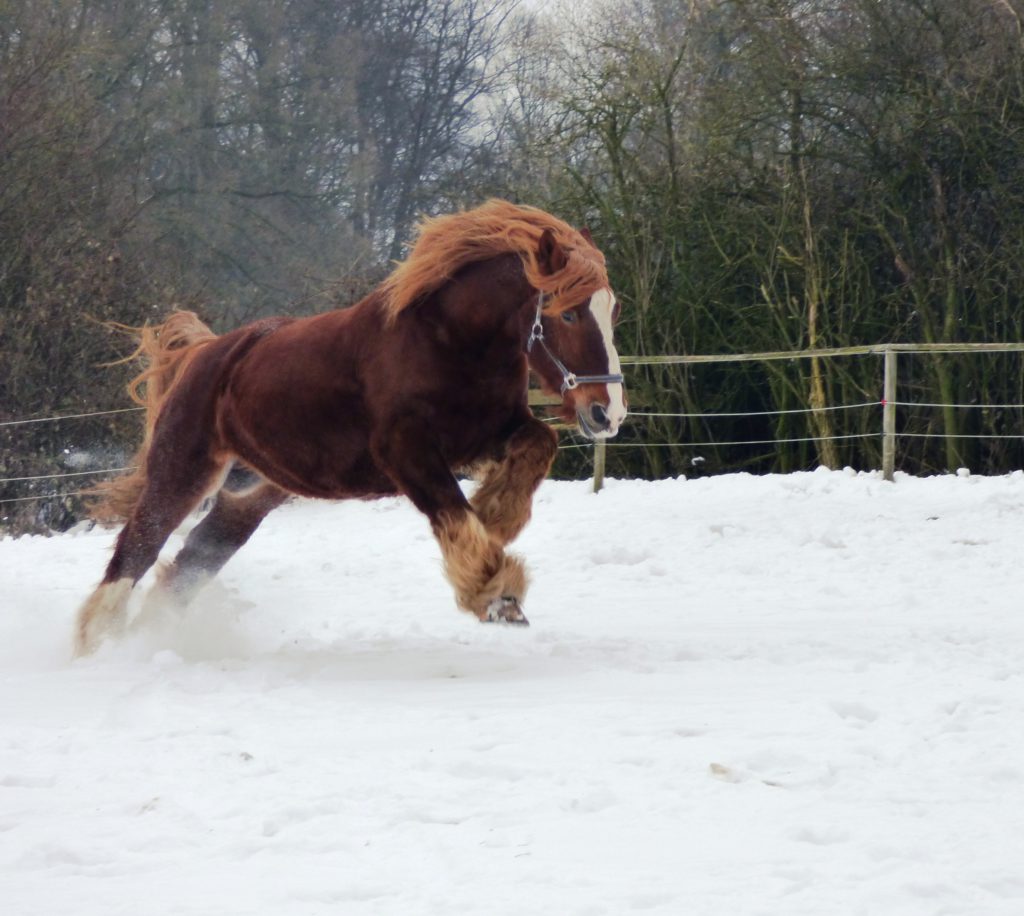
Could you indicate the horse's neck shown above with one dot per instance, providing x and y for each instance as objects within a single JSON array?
[{"x": 488, "y": 302}]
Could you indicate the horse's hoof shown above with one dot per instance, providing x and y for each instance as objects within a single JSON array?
[{"x": 505, "y": 610}]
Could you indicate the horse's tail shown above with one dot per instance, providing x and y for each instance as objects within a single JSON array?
[{"x": 164, "y": 351}]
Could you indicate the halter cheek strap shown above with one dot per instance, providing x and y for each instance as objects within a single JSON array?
[{"x": 569, "y": 379}]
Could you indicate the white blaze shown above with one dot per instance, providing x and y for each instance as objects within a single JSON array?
[{"x": 602, "y": 304}]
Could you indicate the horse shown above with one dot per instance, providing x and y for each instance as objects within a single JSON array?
[{"x": 424, "y": 379}]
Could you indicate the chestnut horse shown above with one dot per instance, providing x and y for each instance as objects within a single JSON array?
[{"x": 423, "y": 379}]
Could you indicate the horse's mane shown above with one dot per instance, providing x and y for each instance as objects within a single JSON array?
[{"x": 445, "y": 244}]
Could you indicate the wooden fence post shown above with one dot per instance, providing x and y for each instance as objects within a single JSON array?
[
  {"x": 889, "y": 415},
  {"x": 600, "y": 452}
]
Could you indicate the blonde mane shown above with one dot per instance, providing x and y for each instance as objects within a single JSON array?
[{"x": 444, "y": 244}]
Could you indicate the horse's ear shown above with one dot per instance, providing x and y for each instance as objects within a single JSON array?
[
  {"x": 585, "y": 232},
  {"x": 550, "y": 255}
]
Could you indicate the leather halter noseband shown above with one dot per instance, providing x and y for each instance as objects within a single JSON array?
[{"x": 569, "y": 379}]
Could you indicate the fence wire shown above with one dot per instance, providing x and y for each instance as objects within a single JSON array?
[
  {"x": 70, "y": 416},
  {"x": 958, "y": 436},
  {"x": 68, "y": 474},
  {"x": 756, "y": 413},
  {"x": 25, "y": 499},
  {"x": 715, "y": 443},
  {"x": 960, "y": 406},
  {"x": 574, "y": 445}
]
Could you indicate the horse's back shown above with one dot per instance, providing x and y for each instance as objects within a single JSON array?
[{"x": 293, "y": 404}]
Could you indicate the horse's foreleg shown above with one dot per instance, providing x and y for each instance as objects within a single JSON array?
[
  {"x": 488, "y": 582},
  {"x": 229, "y": 524},
  {"x": 504, "y": 499}
]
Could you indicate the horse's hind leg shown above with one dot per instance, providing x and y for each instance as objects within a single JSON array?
[
  {"x": 174, "y": 486},
  {"x": 229, "y": 524}
]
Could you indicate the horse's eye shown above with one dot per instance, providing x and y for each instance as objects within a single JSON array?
[
  {"x": 616, "y": 312},
  {"x": 569, "y": 317}
]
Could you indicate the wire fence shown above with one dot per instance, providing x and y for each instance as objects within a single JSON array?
[
  {"x": 70, "y": 416},
  {"x": 886, "y": 404},
  {"x": 27, "y": 499},
  {"x": 757, "y": 413},
  {"x": 811, "y": 410},
  {"x": 93, "y": 472},
  {"x": 67, "y": 474},
  {"x": 886, "y": 431}
]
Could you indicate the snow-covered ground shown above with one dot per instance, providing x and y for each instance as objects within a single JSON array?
[{"x": 782, "y": 695}]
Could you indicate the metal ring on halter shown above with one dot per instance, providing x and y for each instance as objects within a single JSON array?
[{"x": 569, "y": 379}]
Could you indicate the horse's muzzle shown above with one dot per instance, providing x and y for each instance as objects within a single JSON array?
[{"x": 594, "y": 422}]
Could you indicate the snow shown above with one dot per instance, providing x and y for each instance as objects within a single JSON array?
[{"x": 794, "y": 694}]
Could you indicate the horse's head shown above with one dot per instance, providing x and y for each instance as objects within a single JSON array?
[{"x": 573, "y": 353}]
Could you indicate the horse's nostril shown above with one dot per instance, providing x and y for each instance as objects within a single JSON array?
[{"x": 600, "y": 416}]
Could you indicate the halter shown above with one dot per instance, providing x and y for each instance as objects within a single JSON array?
[{"x": 569, "y": 379}]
